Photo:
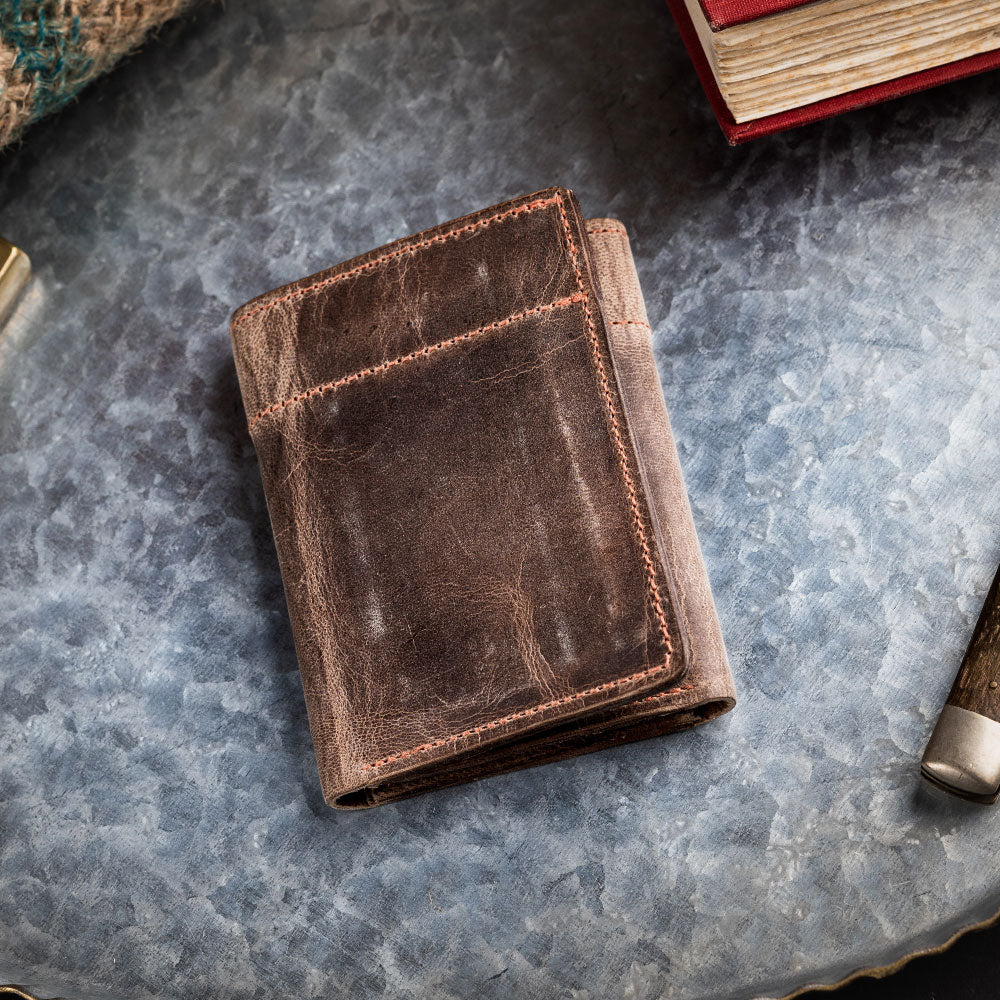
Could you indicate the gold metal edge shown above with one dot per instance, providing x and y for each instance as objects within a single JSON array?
[
  {"x": 15, "y": 270},
  {"x": 881, "y": 971},
  {"x": 8, "y": 990}
]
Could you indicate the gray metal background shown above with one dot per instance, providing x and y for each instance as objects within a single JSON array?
[{"x": 825, "y": 322}]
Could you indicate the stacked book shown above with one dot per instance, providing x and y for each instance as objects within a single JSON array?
[{"x": 772, "y": 64}]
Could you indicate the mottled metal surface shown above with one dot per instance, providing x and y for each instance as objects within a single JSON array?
[{"x": 825, "y": 320}]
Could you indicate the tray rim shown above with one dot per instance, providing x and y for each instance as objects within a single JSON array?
[
  {"x": 876, "y": 972},
  {"x": 890, "y": 968}
]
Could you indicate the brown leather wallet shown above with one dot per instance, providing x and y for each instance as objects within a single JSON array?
[{"x": 486, "y": 544}]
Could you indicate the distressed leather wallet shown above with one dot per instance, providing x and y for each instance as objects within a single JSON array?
[{"x": 486, "y": 544}]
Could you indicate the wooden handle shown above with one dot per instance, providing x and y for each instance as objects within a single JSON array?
[{"x": 977, "y": 686}]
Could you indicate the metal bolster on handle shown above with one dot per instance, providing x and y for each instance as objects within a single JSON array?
[{"x": 963, "y": 755}]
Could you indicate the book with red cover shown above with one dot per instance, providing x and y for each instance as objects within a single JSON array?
[{"x": 722, "y": 14}]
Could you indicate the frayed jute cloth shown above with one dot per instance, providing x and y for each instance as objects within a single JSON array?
[{"x": 51, "y": 49}]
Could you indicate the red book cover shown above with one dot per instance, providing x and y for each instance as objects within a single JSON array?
[{"x": 724, "y": 13}]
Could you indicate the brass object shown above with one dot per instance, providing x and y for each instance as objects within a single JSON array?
[
  {"x": 11, "y": 992},
  {"x": 15, "y": 269}
]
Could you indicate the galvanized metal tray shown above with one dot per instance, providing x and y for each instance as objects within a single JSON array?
[{"x": 824, "y": 307}]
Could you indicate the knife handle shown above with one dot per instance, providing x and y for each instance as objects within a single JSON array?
[{"x": 963, "y": 755}]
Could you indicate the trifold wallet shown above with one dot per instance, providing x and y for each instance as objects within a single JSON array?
[{"x": 486, "y": 545}]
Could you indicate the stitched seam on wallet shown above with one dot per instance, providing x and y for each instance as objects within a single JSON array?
[
  {"x": 530, "y": 206},
  {"x": 633, "y": 497},
  {"x": 640, "y": 533},
  {"x": 630, "y": 322},
  {"x": 667, "y": 694},
  {"x": 539, "y": 753},
  {"x": 524, "y": 714},
  {"x": 415, "y": 355}
]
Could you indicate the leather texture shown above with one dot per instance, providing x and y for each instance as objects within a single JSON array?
[{"x": 487, "y": 551}]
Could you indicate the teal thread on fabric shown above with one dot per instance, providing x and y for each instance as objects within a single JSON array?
[{"x": 51, "y": 51}]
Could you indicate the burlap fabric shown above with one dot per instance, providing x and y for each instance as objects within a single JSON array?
[{"x": 51, "y": 49}]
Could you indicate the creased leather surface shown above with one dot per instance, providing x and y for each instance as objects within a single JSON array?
[{"x": 472, "y": 544}]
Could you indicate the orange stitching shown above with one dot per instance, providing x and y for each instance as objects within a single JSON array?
[
  {"x": 610, "y": 229},
  {"x": 412, "y": 248},
  {"x": 475, "y": 730},
  {"x": 630, "y": 322},
  {"x": 413, "y": 355},
  {"x": 647, "y": 557},
  {"x": 667, "y": 694}
]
